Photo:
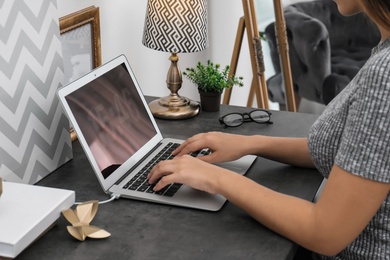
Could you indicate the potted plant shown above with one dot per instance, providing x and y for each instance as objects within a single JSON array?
[{"x": 211, "y": 80}]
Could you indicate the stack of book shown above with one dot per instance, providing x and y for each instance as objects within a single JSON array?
[{"x": 26, "y": 212}]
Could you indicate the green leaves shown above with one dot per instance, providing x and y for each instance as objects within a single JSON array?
[{"x": 210, "y": 78}]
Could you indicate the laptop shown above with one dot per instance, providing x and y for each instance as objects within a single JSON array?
[{"x": 121, "y": 138}]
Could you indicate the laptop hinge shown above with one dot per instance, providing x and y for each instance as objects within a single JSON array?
[{"x": 138, "y": 163}]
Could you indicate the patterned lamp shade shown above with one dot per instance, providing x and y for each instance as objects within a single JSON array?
[{"x": 176, "y": 26}]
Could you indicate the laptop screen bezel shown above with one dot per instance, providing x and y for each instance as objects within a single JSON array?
[{"x": 66, "y": 90}]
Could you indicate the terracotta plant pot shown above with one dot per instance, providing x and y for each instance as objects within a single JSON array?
[{"x": 210, "y": 101}]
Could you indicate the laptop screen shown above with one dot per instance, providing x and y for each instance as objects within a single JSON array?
[{"x": 112, "y": 118}]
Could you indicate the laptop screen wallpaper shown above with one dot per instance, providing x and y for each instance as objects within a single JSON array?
[{"x": 112, "y": 118}]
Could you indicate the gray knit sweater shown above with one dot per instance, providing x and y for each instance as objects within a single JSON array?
[{"x": 354, "y": 133}]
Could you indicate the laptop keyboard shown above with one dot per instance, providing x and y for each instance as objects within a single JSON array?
[{"x": 140, "y": 182}]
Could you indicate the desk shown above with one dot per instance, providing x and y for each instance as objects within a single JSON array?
[{"x": 142, "y": 230}]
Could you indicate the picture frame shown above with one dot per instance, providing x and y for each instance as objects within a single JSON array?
[{"x": 81, "y": 44}]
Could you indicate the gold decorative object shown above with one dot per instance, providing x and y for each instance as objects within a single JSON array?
[
  {"x": 73, "y": 135},
  {"x": 80, "y": 219}
]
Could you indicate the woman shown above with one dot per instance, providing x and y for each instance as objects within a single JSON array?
[{"x": 348, "y": 144}]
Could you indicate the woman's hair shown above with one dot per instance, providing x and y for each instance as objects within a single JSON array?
[{"x": 378, "y": 11}]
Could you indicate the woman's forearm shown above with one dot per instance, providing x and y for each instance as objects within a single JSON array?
[
  {"x": 345, "y": 207},
  {"x": 292, "y": 151}
]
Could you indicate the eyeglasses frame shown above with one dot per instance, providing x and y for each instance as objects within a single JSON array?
[{"x": 246, "y": 118}]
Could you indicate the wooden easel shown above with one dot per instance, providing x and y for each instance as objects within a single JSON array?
[{"x": 248, "y": 23}]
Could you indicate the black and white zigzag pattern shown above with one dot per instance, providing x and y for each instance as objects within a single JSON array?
[
  {"x": 176, "y": 26},
  {"x": 34, "y": 131}
]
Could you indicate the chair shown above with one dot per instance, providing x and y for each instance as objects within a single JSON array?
[{"x": 326, "y": 50}]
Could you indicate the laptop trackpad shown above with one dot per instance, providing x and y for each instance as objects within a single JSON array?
[{"x": 239, "y": 166}]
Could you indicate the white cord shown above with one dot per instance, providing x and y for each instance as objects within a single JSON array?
[{"x": 102, "y": 202}]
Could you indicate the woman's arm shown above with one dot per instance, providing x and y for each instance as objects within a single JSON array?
[
  {"x": 344, "y": 209},
  {"x": 347, "y": 204},
  {"x": 227, "y": 147},
  {"x": 292, "y": 151}
]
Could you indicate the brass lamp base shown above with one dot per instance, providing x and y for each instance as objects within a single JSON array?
[{"x": 174, "y": 107}]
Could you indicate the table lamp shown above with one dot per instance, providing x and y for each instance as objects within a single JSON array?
[{"x": 175, "y": 26}]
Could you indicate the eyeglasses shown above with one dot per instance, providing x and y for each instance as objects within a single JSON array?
[{"x": 259, "y": 116}]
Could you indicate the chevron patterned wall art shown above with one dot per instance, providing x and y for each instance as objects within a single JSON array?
[{"x": 34, "y": 130}]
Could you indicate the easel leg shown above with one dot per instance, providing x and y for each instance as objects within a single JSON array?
[
  {"x": 235, "y": 57},
  {"x": 282, "y": 41},
  {"x": 248, "y": 24}
]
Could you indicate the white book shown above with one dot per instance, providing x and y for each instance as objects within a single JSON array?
[{"x": 26, "y": 212}]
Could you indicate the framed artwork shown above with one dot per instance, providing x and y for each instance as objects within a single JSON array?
[
  {"x": 80, "y": 37},
  {"x": 81, "y": 45}
]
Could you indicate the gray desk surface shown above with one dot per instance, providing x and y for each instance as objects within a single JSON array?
[{"x": 142, "y": 230}]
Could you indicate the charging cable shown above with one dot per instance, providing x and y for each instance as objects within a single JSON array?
[{"x": 113, "y": 197}]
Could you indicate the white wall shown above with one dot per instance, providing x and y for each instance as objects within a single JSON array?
[{"x": 122, "y": 23}]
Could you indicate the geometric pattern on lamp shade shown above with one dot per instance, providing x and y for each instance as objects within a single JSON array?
[{"x": 176, "y": 26}]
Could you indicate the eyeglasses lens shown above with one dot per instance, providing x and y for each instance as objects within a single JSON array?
[
  {"x": 260, "y": 116},
  {"x": 233, "y": 120}
]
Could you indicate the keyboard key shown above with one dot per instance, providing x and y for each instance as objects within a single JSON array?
[{"x": 139, "y": 181}]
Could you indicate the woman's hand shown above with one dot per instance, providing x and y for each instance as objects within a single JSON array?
[
  {"x": 187, "y": 170},
  {"x": 224, "y": 147}
]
